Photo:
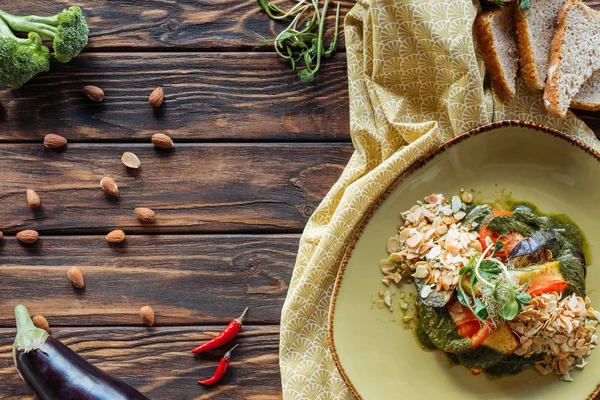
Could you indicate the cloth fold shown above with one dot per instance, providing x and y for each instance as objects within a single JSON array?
[{"x": 416, "y": 79}]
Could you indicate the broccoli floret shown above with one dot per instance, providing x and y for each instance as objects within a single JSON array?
[
  {"x": 71, "y": 34},
  {"x": 21, "y": 59},
  {"x": 68, "y": 29}
]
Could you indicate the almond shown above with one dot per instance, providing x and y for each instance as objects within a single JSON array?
[
  {"x": 41, "y": 322},
  {"x": 28, "y": 236},
  {"x": 53, "y": 141},
  {"x": 93, "y": 92},
  {"x": 109, "y": 186},
  {"x": 156, "y": 97},
  {"x": 1, "y": 234},
  {"x": 76, "y": 277},
  {"x": 33, "y": 200},
  {"x": 163, "y": 141},
  {"x": 145, "y": 214},
  {"x": 147, "y": 314},
  {"x": 116, "y": 236},
  {"x": 130, "y": 160}
]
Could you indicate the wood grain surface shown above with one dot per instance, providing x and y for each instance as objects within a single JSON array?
[
  {"x": 191, "y": 25},
  {"x": 208, "y": 97},
  {"x": 187, "y": 279},
  {"x": 256, "y": 150},
  {"x": 193, "y": 188},
  {"x": 158, "y": 361}
]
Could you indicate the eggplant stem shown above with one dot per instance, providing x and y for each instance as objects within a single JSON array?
[{"x": 29, "y": 337}]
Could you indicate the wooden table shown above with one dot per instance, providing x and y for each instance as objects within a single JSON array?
[{"x": 256, "y": 150}]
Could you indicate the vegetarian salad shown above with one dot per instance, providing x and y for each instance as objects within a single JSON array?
[{"x": 498, "y": 290}]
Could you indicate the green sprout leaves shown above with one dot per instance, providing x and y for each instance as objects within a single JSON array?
[
  {"x": 303, "y": 46},
  {"x": 498, "y": 297}
]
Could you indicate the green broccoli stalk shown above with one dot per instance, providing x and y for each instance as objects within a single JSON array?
[
  {"x": 21, "y": 59},
  {"x": 68, "y": 29}
]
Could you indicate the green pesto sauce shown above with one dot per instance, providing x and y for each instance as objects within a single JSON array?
[
  {"x": 512, "y": 364},
  {"x": 441, "y": 330},
  {"x": 526, "y": 219},
  {"x": 436, "y": 330},
  {"x": 422, "y": 336}
]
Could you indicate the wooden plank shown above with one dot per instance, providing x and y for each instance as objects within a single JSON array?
[
  {"x": 184, "y": 24},
  {"x": 187, "y": 279},
  {"x": 158, "y": 361},
  {"x": 208, "y": 97},
  {"x": 193, "y": 189}
]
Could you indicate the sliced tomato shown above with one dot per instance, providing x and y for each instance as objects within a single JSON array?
[
  {"x": 552, "y": 286},
  {"x": 467, "y": 324},
  {"x": 509, "y": 241},
  {"x": 468, "y": 329}
]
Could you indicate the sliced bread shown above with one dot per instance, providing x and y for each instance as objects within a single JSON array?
[
  {"x": 588, "y": 97},
  {"x": 574, "y": 55},
  {"x": 534, "y": 36},
  {"x": 495, "y": 32}
]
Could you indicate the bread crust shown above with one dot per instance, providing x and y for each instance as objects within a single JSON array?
[
  {"x": 525, "y": 49},
  {"x": 483, "y": 32},
  {"x": 585, "y": 106},
  {"x": 551, "y": 91}
]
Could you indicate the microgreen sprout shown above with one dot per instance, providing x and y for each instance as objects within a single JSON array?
[
  {"x": 295, "y": 44},
  {"x": 500, "y": 297}
]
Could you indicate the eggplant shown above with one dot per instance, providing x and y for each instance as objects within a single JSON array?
[
  {"x": 533, "y": 249},
  {"x": 55, "y": 372},
  {"x": 435, "y": 298}
]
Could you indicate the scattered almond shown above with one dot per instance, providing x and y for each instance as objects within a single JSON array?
[
  {"x": 116, "y": 236},
  {"x": 76, "y": 277},
  {"x": 163, "y": 141},
  {"x": 53, "y": 141},
  {"x": 41, "y": 322},
  {"x": 93, "y": 92},
  {"x": 109, "y": 186},
  {"x": 145, "y": 214},
  {"x": 156, "y": 97},
  {"x": 33, "y": 200},
  {"x": 466, "y": 196},
  {"x": 28, "y": 236},
  {"x": 1, "y": 234},
  {"x": 147, "y": 314},
  {"x": 130, "y": 160}
]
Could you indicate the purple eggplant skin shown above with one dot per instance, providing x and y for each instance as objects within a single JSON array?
[
  {"x": 55, "y": 372},
  {"x": 58, "y": 373}
]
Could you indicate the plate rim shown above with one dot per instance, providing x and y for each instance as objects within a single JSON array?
[{"x": 416, "y": 165}]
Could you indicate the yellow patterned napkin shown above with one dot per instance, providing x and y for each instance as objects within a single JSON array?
[{"x": 416, "y": 80}]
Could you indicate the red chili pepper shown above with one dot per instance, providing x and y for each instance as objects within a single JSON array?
[
  {"x": 224, "y": 337},
  {"x": 221, "y": 369}
]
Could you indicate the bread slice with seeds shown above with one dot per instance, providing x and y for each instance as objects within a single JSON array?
[
  {"x": 574, "y": 56},
  {"x": 535, "y": 30},
  {"x": 495, "y": 32}
]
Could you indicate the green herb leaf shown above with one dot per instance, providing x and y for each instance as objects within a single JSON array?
[
  {"x": 480, "y": 310},
  {"x": 264, "y": 4},
  {"x": 524, "y": 298},
  {"x": 306, "y": 75},
  {"x": 497, "y": 247},
  {"x": 525, "y": 5},
  {"x": 489, "y": 267},
  {"x": 469, "y": 267},
  {"x": 462, "y": 297},
  {"x": 495, "y": 292},
  {"x": 510, "y": 309},
  {"x": 499, "y": 3}
]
